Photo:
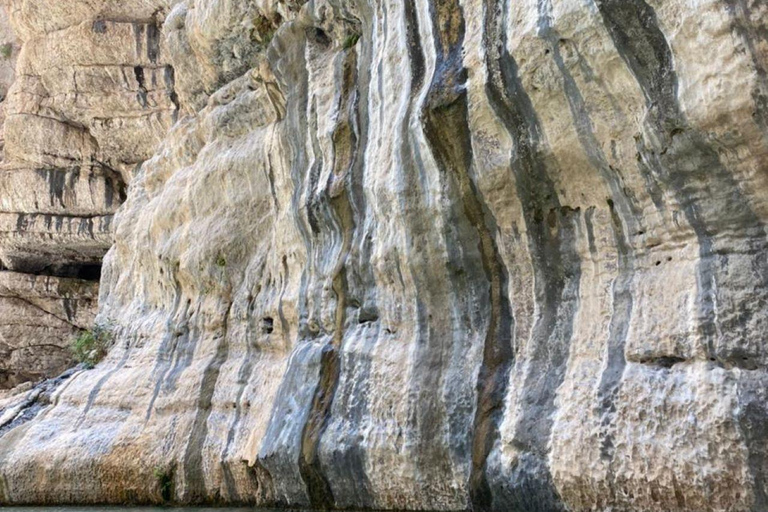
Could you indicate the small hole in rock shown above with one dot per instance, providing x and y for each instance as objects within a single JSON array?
[
  {"x": 658, "y": 263},
  {"x": 99, "y": 26},
  {"x": 320, "y": 37},
  {"x": 267, "y": 325}
]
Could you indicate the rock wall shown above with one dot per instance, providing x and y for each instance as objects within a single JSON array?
[
  {"x": 37, "y": 317},
  {"x": 423, "y": 254},
  {"x": 91, "y": 100}
]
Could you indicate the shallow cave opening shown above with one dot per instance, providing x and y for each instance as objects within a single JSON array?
[
  {"x": 89, "y": 272},
  {"x": 83, "y": 271}
]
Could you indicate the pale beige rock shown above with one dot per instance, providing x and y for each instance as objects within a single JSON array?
[
  {"x": 93, "y": 98},
  {"x": 39, "y": 317},
  {"x": 467, "y": 254}
]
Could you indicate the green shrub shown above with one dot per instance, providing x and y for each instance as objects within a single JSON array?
[
  {"x": 6, "y": 51},
  {"x": 164, "y": 482},
  {"x": 351, "y": 40},
  {"x": 90, "y": 347}
]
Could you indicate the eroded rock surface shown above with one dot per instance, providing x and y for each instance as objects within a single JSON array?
[
  {"x": 39, "y": 316},
  {"x": 93, "y": 96},
  {"x": 425, "y": 254}
]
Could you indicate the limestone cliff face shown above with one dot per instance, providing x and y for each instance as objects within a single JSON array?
[
  {"x": 92, "y": 98},
  {"x": 414, "y": 254}
]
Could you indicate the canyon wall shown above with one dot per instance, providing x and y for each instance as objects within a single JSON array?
[
  {"x": 91, "y": 99},
  {"x": 398, "y": 254}
]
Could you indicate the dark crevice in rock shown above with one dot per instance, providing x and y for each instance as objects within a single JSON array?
[
  {"x": 415, "y": 52},
  {"x": 89, "y": 272},
  {"x": 666, "y": 362},
  {"x": 267, "y": 325},
  {"x": 153, "y": 42},
  {"x": 141, "y": 95},
  {"x": 165, "y": 482},
  {"x": 99, "y": 26},
  {"x": 169, "y": 75}
]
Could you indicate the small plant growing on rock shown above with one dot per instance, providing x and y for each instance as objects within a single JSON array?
[
  {"x": 6, "y": 51},
  {"x": 351, "y": 40},
  {"x": 90, "y": 347},
  {"x": 164, "y": 482},
  {"x": 263, "y": 30}
]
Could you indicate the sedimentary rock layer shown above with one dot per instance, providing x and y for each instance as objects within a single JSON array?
[
  {"x": 432, "y": 254},
  {"x": 39, "y": 316},
  {"x": 92, "y": 98}
]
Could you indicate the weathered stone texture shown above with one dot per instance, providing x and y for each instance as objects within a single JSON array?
[
  {"x": 417, "y": 254},
  {"x": 92, "y": 99},
  {"x": 39, "y": 315}
]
